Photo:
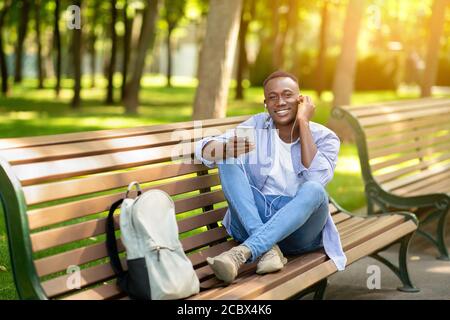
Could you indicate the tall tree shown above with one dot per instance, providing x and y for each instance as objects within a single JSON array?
[
  {"x": 173, "y": 13},
  {"x": 434, "y": 43},
  {"x": 128, "y": 23},
  {"x": 57, "y": 45},
  {"x": 248, "y": 13},
  {"x": 343, "y": 82},
  {"x": 24, "y": 8},
  {"x": 3, "y": 65},
  {"x": 93, "y": 40},
  {"x": 321, "y": 58},
  {"x": 286, "y": 17},
  {"x": 146, "y": 42},
  {"x": 37, "y": 12},
  {"x": 77, "y": 54},
  {"x": 216, "y": 59},
  {"x": 112, "y": 60}
]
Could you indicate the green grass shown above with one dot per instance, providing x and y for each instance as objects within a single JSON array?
[{"x": 31, "y": 112}]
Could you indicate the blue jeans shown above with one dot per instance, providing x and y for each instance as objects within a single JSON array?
[{"x": 294, "y": 223}]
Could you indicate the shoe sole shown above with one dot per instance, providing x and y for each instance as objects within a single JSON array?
[{"x": 274, "y": 269}]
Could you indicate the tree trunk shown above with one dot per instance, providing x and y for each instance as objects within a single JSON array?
[
  {"x": 37, "y": 12},
  {"x": 126, "y": 48},
  {"x": 434, "y": 42},
  {"x": 93, "y": 40},
  {"x": 57, "y": 42},
  {"x": 112, "y": 61},
  {"x": 3, "y": 65},
  {"x": 76, "y": 47},
  {"x": 242, "y": 63},
  {"x": 289, "y": 21},
  {"x": 93, "y": 61},
  {"x": 146, "y": 42},
  {"x": 346, "y": 66},
  {"x": 169, "y": 56},
  {"x": 276, "y": 37},
  {"x": 320, "y": 68},
  {"x": 21, "y": 34},
  {"x": 216, "y": 61},
  {"x": 48, "y": 63}
]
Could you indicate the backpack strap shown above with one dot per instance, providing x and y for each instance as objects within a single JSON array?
[{"x": 111, "y": 243}]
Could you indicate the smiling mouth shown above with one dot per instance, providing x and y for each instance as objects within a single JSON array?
[{"x": 282, "y": 112}]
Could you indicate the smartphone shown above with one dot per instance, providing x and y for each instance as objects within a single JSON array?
[{"x": 246, "y": 132}]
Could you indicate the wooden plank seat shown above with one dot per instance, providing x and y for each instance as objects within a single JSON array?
[
  {"x": 56, "y": 191},
  {"x": 404, "y": 152}
]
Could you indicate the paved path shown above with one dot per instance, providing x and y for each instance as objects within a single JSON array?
[{"x": 432, "y": 276}]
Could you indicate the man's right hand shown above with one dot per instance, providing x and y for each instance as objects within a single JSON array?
[{"x": 234, "y": 147}]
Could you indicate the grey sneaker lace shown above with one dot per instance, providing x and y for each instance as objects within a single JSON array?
[
  {"x": 269, "y": 254},
  {"x": 238, "y": 256}
]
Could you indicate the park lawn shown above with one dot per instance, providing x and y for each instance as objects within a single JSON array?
[{"x": 31, "y": 112}]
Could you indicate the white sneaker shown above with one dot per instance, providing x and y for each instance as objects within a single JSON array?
[
  {"x": 272, "y": 261},
  {"x": 226, "y": 265}
]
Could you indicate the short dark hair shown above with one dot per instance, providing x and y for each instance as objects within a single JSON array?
[{"x": 280, "y": 74}]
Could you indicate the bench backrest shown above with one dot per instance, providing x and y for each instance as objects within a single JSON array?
[{"x": 398, "y": 140}]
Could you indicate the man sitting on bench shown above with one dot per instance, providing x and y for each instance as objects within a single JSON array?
[{"x": 275, "y": 186}]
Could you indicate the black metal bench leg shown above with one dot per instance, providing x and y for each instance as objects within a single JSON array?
[
  {"x": 443, "y": 252},
  {"x": 403, "y": 265},
  {"x": 318, "y": 289},
  {"x": 402, "y": 270}
]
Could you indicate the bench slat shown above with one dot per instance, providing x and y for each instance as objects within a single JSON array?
[
  {"x": 411, "y": 155},
  {"x": 419, "y": 105},
  {"x": 392, "y": 103},
  {"x": 396, "y": 117},
  {"x": 441, "y": 187},
  {"x": 405, "y": 126},
  {"x": 418, "y": 145},
  {"x": 410, "y": 179},
  {"x": 103, "y": 292},
  {"x": 429, "y": 178},
  {"x": 114, "y": 133},
  {"x": 435, "y": 162},
  {"x": 58, "y": 169},
  {"x": 408, "y": 136}
]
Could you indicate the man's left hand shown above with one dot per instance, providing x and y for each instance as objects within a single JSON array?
[{"x": 306, "y": 109}]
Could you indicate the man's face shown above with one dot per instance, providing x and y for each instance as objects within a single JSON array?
[{"x": 282, "y": 99}]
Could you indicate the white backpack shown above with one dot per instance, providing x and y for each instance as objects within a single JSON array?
[{"x": 158, "y": 268}]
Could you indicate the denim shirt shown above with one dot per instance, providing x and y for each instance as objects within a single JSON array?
[{"x": 258, "y": 163}]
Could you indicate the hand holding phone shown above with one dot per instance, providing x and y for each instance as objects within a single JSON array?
[{"x": 242, "y": 142}]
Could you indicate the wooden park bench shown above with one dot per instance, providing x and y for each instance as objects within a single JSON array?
[
  {"x": 404, "y": 151},
  {"x": 56, "y": 190}
]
